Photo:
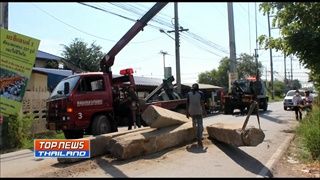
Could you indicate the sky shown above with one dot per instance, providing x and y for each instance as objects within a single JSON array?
[{"x": 58, "y": 24}]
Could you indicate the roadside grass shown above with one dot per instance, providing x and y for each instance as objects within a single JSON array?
[
  {"x": 308, "y": 135},
  {"x": 276, "y": 98},
  {"x": 28, "y": 144}
]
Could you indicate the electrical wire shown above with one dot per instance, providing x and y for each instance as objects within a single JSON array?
[{"x": 71, "y": 25}]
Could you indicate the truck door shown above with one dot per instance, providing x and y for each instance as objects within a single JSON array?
[{"x": 93, "y": 96}]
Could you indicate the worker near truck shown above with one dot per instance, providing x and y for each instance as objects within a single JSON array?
[
  {"x": 308, "y": 102},
  {"x": 297, "y": 102},
  {"x": 195, "y": 109},
  {"x": 237, "y": 93}
]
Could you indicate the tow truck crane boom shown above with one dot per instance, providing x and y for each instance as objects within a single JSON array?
[{"x": 108, "y": 59}]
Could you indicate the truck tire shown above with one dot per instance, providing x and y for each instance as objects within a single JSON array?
[
  {"x": 265, "y": 107},
  {"x": 285, "y": 108},
  {"x": 100, "y": 125},
  {"x": 228, "y": 109},
  {"x": 73, "y": 134}
]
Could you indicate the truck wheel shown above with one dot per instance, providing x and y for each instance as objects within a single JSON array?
[
  {"x": 265, "y": 106},
  {"x": 228, "y": 110},
  {"x": 101, "y": 125},
  {"x": 73, "y": 134},
  {"x": 285, "y": 108}
]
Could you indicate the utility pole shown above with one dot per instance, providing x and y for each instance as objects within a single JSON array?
[
  {"x": 232, "y": 45},
  {"x": 176, "y": 28},
  {"x": 4, "y": 14},
  {"x": 271, "y": 63},
  {"x": 256, "y": 59},
  {"x": 177, "y": 42},
  {"x": 285, "y": 69},
  {"x": 291, "y": 68},
  {"x": 164, "y": 53}
]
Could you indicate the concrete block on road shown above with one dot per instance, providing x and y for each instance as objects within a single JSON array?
[
  {"x": 233, "y": 135},
  {"x": 142, "y": 143},
  {"x": 158, "y": 117},
  {"x": 100, "y": 145}
]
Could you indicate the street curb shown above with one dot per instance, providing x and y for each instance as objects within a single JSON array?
[{"x": 276, "y": 157}]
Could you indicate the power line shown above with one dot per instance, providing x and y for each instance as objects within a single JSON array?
[
  {"x": 98, "y": 37},
  {"x": 71, "y": 25},
  {"x": 164, "y": 23}
]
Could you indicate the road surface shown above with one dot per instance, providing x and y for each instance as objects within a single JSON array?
[{"x": 215, "y": 160}]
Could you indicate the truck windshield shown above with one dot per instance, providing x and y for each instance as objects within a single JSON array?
[{"x": 58, "y": 91}]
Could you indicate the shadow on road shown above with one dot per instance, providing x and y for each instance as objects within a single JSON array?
[
  {"x": 109, "y": 168},
  {"x": 273, "y": 119},
  {"x": 242, "y": 158},
  {"x": 194, "y": 148}
]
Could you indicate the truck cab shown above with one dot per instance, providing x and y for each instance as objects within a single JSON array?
[{"x": 84, "y": 104}]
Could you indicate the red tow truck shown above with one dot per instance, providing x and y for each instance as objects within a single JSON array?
[{"x": 93, "y": 102}]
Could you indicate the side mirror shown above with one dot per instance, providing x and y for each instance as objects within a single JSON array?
[{"x": 66, "y": 88}]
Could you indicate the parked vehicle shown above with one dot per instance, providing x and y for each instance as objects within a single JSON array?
[
  {"x": 244, "y": 93},
  {"x": 287, "y": 101}
]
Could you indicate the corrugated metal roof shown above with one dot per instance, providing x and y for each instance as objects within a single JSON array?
[
  {"x": 145, "y": 81},
  {"x": 142, "y": 81},
  {"x": 204, "y": 86},
  {"x": 45, "y": 55},
  {"x": 61, "y": 72}
]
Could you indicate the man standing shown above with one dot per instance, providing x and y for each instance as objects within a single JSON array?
[
  {"x": 195, "y": 104},
  {"x": 308, "y": 101},
  {"x": 297, "y": 100}
]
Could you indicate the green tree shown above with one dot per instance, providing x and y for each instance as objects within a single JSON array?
[
  {"x": 295, "y": 84},
  {"x": 279, "y": 88},
  {"x": 79, "y": 54},
  {"x": 300, "y": 32},
  {"x": 52, "y": 64},
  {"x": 246, "y": 66}
]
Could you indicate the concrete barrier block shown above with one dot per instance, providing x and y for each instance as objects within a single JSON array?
[{"x": 158, "y": 117}]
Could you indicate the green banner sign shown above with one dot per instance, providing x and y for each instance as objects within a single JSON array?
[{"x": 17, "y": 56}]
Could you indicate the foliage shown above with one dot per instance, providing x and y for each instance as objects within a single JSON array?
[
  {"x": 52, "y": 64},
  {"x": 18, "y": 130},
  {"x": 79, "y": 54},
  {"x": 296, "y": 84},
  {"x": 245, "y": 67},
  {"x": 279, "y": 88},
  {"x": 300, "y": 32},
  {"x": 310, "y": 132}
]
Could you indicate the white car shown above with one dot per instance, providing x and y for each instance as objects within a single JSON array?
[{"x": 287, "y": 102}]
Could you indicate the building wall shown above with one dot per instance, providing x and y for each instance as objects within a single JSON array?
[
  {"x": 37, "y": 82},
  {"x": 40, "y": 63},
  {"x": 34, "y": 101}
]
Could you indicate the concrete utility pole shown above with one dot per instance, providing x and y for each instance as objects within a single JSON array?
[
  {"x": 291, "y": 69},
  {"x": 4, "y": 14},
  {"x": 176, "y": 28},
  {"x": 271, "y": 63},
  {"x": 232, "y": 45},
  {"x": 256, "y": 60},
  {"x": 177, "y": 41},
  {"x": 285, "y": 69},
  {"x": 164, "y": 53}
]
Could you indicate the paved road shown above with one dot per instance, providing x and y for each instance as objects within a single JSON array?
[{"x": 215, "y": 160}]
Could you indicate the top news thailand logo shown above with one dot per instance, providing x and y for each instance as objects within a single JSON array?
[{"x": 61, "y": 148}]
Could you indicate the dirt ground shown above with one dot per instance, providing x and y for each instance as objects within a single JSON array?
[{"x": 290, "y": 166}]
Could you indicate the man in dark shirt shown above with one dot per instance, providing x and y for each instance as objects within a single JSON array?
[{"x": 195, "y": 109}]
